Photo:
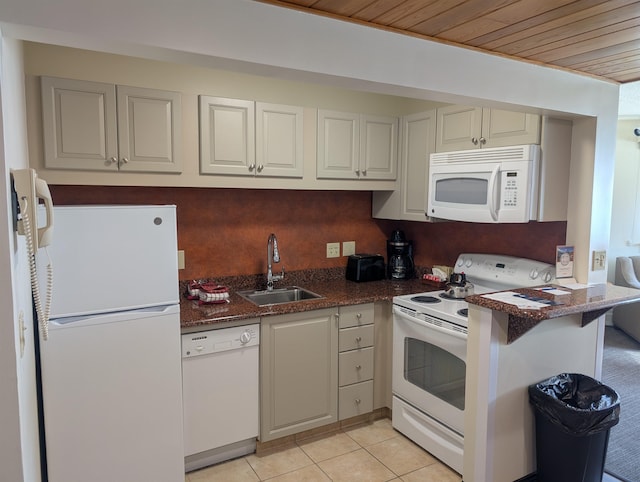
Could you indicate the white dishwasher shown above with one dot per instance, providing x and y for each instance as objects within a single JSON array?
[{"x": 220, "y": 394}]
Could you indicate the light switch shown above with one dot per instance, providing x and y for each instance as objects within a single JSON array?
[
  {"x": 181, "y": 259},
  {"x": 599, "y": 260}
]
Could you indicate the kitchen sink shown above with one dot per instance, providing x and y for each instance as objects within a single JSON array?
[{"x": 279, "y": 295}]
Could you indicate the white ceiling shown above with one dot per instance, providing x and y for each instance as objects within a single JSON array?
[{"x": 629, "y": 101}]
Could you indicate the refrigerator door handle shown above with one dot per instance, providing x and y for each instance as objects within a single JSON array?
[{"x": 114, "y": 317}]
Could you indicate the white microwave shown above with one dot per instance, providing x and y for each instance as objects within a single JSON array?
[{"x": 493, "y": 185}]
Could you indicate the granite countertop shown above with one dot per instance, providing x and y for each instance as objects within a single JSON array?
[
  {"x": 592, "y": 302},
  {"x": 330, "y": 283}
]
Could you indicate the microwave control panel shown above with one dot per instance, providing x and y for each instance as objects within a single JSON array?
[{"x": 510, "y": 189}]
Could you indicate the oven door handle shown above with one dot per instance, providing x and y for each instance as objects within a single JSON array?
[{"x": 422, "y": 324}]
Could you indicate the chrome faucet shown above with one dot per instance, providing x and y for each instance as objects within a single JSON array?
[{"x": 273, "y": 256}]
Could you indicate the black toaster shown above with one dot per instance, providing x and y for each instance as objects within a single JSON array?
[{"x": 365, "y": 267}]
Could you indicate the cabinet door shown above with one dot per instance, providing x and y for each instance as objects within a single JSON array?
[
  {"x": 408, "y": 201},
  {"x": 355, "y": 400},
  {"x": 79, "y": 122},
  {"x": 555, "y": 144},
  {"x": 299, "y": 372},
  {"x": 419, "y": 133},
  {"x": 338, "y": 145},
  {"x": 378, "y": 147},
  {"x": 227, "y": 136},
  {"x": 356, "y": 315},
  {"x": 355, "y": 338},
  {"x": 149, "y": 130},
  {"x": 457, "y": 126},
  {"x": 279, "y": 140},
  {"x": 355, "y": 366},
  {"x": 503, "y": 128}
]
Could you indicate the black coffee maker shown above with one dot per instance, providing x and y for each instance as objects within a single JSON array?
[{"x": 399, "y": 257}]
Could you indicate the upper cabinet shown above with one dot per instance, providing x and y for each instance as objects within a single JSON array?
[
  {"x": 279, "y": 140},
  {"x": 356, "y": 146},
  {"x": 409, "y": 200},
  {"x": 99, "y": 126},
  {"x": 465, "y": 127},
  {"x": 247, "y": 138},
  {"x": 227, "y": 138}
]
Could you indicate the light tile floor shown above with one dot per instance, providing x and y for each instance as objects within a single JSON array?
[{"x": 370, "y": 452}]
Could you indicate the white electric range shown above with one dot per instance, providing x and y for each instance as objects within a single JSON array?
[
  {"x": 430, "y": 352},
  {"x": 487, "y": 273}
]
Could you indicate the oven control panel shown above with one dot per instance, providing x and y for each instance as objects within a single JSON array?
[{"x": 504, "y": 270}]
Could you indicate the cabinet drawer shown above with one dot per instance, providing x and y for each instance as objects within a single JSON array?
[
  {"x": 355, "y": 400},
  {"x": 356, "y": 337},
  {"x": 355, "y": 366},
  {"x": 356, "y": 315}
]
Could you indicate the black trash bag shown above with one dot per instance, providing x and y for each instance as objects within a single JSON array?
[{"x": 576, "y": 403}]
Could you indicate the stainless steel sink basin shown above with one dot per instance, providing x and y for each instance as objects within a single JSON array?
[{"x": 278, "y": 295}]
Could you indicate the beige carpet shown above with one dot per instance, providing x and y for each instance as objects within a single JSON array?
[{"x": 621, "y": 371}]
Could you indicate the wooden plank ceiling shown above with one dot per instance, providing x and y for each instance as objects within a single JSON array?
[{"x": 595, "y": 37}]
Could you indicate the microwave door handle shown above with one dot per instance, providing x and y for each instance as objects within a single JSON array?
[{"x": 494, "y": 200}]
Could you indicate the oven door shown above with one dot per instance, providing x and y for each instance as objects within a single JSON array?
[{"x": 429, "y": 367}]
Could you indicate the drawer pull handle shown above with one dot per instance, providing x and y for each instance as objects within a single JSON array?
[
  {"x": 359, "y": 315},
  {"x": 358, "y": 339},
  {"x": 357, "y": 401},
  {"x": 358, "y": 367}
]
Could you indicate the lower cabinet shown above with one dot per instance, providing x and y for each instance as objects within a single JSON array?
[
  {"x": 355, "y": 399},
  {"x": 298, "y": 372},
  {"x": 355, "y": 360},
  {"x": 316, "y": 367}
]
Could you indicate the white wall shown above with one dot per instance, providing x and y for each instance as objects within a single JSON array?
[
  {"x": 19, "y": 451},
  {"x": 629, "y": 101},
  {"x": 626, "y": 196}
]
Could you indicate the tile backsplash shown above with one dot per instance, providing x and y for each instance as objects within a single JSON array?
[{"x": 223, "y": 232}]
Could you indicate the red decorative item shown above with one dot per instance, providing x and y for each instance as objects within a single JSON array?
[
  {"x": 193, "y": 290},
  {"x": 212, "y": 293}
]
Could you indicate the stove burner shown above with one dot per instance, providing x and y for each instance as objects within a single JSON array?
[
  {"x": 425, "y": 299},
  {"x": 464, "y": 312},
  {"x": 449, "y": 297}
]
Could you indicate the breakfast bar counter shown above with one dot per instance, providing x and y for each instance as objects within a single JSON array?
[
  {"x": 554, "y": 301},
  {"x": 517, "y": 338}
]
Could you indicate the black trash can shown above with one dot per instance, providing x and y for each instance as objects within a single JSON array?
[{"x": 573, "y": 416}]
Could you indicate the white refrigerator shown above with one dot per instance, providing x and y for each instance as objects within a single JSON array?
[{"x": 111, "y": 365}]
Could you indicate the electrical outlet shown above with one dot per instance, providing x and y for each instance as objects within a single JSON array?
[
  {"x": 598, "y": 260},
  {"x": 348, "y": 248},
  {"x": 333, "y": 250},
  {"x": 180, "y": 259}
]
